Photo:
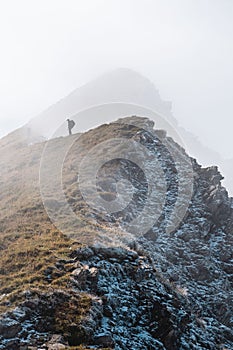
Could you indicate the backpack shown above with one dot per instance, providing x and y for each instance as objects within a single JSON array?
[{"x": 71, "y": 124}]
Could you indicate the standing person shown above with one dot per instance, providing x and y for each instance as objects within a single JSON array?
[{"x": 71, "y": 124}]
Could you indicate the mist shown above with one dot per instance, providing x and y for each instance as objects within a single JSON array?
[{"x": 184, "y": 47}]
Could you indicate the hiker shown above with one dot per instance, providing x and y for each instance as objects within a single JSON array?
[{"x": 71, "y": 124}]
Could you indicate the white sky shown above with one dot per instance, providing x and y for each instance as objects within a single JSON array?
[{"x": 50, "y": 47}]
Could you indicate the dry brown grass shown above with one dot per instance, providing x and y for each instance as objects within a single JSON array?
[
  {"x": 29, "y": 242},
  {"x": 24, "y": 263}
]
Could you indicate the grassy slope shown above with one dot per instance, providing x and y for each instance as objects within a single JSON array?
[
  {"x": 29, "y": 242},
  {"x": 23, "y": 219}
]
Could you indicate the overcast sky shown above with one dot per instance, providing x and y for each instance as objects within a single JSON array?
[{"x": 51, "y": 47}]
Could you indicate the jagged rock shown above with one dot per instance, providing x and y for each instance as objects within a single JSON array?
[
  {"x": 9, "y": 328},
  {"x": 11, "y": 344},
  {"x": 117, "y": 253},
  {"x": 82, "y": 253},
  {"x": 19, "y": 314},
  {"x": 107, "y": 311},
  {"x": 84, "y": 274},
  {"x": 167, "y": 291},
  {"x": 161, "y": 134},
  {"x": 140, "y": 122},
  {"x": 104, "y": 339},
  {"x": 56, "y": 342},
  {"x": 57, "y": 346}
]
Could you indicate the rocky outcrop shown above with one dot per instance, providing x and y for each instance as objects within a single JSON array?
[
  {"x": 72, "y": 316},
  {"x": 141, "y": 310},
  {"x": 131, "y": 307},
  {"x": 159, "y": 289}
]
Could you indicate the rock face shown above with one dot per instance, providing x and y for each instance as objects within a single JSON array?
[
  {"x": 168, "y": 289},
  {"x": 133, "y": 308},
  {"x": 140, "y": 309},
  {"x": 42, "y": 314}
]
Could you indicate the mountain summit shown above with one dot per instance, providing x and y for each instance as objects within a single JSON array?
[
  {"x": 118, "y": 86},
  {"x": 113, "y": 239},
  {"x": 116, "y": 94}
]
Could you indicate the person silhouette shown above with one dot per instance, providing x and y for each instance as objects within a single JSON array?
[{"x": 71, "y": 124}]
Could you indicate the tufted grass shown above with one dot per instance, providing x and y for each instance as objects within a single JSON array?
[{"x": 24, "y": 261}]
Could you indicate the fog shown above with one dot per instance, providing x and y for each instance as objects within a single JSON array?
[{"x": 185, "y": 48}]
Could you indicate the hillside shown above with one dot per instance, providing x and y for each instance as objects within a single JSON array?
[{"x": 114, "y": 239}]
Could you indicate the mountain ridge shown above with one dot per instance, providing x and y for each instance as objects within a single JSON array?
[
  {"x": 157, "y": 290},
  {"x": 137, "y": 95}
]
